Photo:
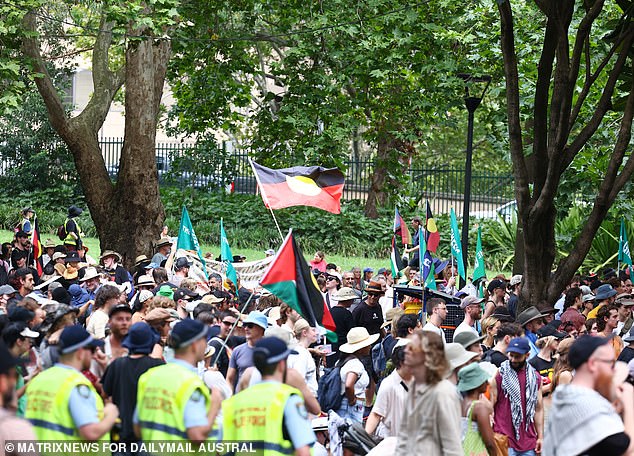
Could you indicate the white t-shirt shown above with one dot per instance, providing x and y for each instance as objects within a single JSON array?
[
  {"x": 96, "y": 326},
  {"x": 390, "y": 403},
  {"x": 305, "y": 365},
  {"x": 464, "y": 327},
  {"x": 433, "y": 328},
  {"x": 363, "y": 380}
]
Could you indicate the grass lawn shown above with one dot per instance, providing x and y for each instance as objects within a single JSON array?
[{"x": 346, "y": 263}]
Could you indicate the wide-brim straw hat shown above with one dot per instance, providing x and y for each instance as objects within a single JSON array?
[
  {"x": 161, "y": 242},
  {"x": 358, "y": 338},
  {"x": 391, "y": 314},
  {"x": 107, "y": 253},
  {"x": 91, "y": 273}
]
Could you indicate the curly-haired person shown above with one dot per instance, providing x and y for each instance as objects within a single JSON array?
[{"x": 431, "y": 422}]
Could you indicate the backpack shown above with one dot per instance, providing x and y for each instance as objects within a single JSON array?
[
  {"x": 379, "y": 358},
  {"x": 62, "y": 234},
  {"x": 329, "y": 387}
]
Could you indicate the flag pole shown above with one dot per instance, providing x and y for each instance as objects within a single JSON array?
[{"x": 264, "y": 197}]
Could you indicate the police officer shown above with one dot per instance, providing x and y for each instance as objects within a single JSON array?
[
  {"x": 173, "y": 403},
  {"x": 270, "y": 414},
  {"x": 61, "y": 403}
]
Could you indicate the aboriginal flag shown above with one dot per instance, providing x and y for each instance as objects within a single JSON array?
[
  {"x": 289, "y": 278},
  {"x": 300, "y": 186},
  {"x": 432, "y": 236},
  {"x": 37, "y": 246}
]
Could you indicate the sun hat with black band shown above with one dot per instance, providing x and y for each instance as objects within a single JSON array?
[
  {"x": 374, "y": 287},
  {"x": 186, "y": 332},
  {"x": 358, "y": 338},
  {"x": 583, "y": 348},
  {"x": 75, "y": 337},
  {"x": 272, "y": 350},
  {"x": 502, "y": 314},
  {"x": 530, "y": 314},
  {"x": 345, "y": 294}
]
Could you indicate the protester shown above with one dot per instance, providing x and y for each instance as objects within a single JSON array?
[
  {"x": 432, "y": 409},
  {"x": 437, "y": 310},
  {"x": 497, "y": 296},
  {"x": 106, "y": 298},
  {"x": 582, "y": 418},
  {"x": 514, "y": 288},
  {"x": 224, "y": 344},
  {"x": 303, "y": 361},
  {"x": 562, "y": 372},
  {"x": 121, "y": 377},
  {"x": 625, "y": 303},
  {"x": 354, "y": 376},
  {"x": 242, "y": 357},
  {"x": 385, "y": 419},
  {"x": 531, "y": 320},
  {"x": 342, "y": 316},
  {"x": 477, "y": 433},
  {"x": 607, "y": 320},
  {"x": 369, "y": 313},
  {"x": 472, "y": 314},
  {"x": 517, "y": 401},
  {"x": 19, "y": 339}
]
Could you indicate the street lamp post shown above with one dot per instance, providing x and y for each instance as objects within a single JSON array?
[{"x": 471, "y": 102}]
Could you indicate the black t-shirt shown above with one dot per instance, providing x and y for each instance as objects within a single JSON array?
[
  {"x": 626, "y": 355},
  {"x": 545, "y": 368},
  {"x": 223, "y": 355},
  {"x": 343, "y": 322},
  {"x": 371, "y": 318},
  {"x": 494, "y": 357},
  {"x": 120, "y": 381},
  {"x": 613, "y": 445}
]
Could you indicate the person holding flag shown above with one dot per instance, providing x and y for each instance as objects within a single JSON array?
[{"x": 187, "y": 239}]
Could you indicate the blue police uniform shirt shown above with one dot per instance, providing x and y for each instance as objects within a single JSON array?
[
  {"x": 195, "y": 409},
  {"x": 82, "y": 403}
]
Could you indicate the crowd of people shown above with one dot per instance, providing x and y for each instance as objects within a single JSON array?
[{"x": 92, "y": 351}]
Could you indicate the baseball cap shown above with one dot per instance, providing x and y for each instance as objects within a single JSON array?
[
  {"x": 21, "y": 234},
  {"x": 583, "y": 348},
  {"x": 549, "y": 330},
  {"x": 515, "y": 279},
  {"x": 184, "y": 293},
  {"x": 120, "y": 308},
  {"x": 186, "y": 332},
  {"x": 368, "y": 270},
  {"x": 182, "y": 262},
  {"x": 7, "y": 290},
  {"x": 519, "y": 345},
  {"x": 19, "y": 313},
  {"x": 257, "y": 318},
  {"x": 495, "y": 283},
  {"x": 75, "y": 337},
  {"x": 468, "y": 300},
  {"x": 273, "y": 349}
]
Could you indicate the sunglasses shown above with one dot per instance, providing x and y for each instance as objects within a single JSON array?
[
  {"x": 229, "y": 323},
  {"x": 331, "y": 278},
  {"x": 374, "y": 294},
  {"x": 249, "y": 325}
]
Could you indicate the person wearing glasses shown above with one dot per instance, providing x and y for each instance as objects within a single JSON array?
[
  {"x": 222, "y": 345},
  {"x": 437, "y": 311},
  {"x": 369, "y": 314},
  {"x": 62, "y": 403},
  {"x": 583, "y": 418},
  {"x": 242, "y": 357}
]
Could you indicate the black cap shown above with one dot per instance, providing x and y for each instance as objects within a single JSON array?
[
  {"x": 181, "y": 263},
  {"x": 184, "y": 293},
  {"x": 75, "y": 337},
  {"x": 21, "y": 234},
  {"x": 548, "y": 330},
  {"x": 120, "y": 308},
  {"x": 187, "y": 331},
  {"x": 74, "y": 211},
  {"x": 496, "y": 283},
  {"x": 19, "y": 313},
  {"x": 583, "y": 348}
]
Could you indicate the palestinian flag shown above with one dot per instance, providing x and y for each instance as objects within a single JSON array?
[
  {"x": 432, "y": 236},
  {"x": 300, "y": 186},
  {"x": 37, "y": 246},
  {"x": 289, "y": 278},
  {"x": 396, "y": 261},
  {"x": 400, "y": 228}
]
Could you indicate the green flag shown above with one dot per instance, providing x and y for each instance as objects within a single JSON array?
[
  {"x": 624, "y": 249},
  {"x": 426, "y": 264},
  {"x": 456, "y": 247},
  {"x": 187, "y": 239},
  {"x": 226, "y": 256},
  {"x": 478, "y": 266}
]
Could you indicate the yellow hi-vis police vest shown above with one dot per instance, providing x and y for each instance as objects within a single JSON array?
[
  {"x": 69, "y": 239},
  {"x": 47, "y": 403},
  {"x": 162, "y": 395},
  {"x": 256, "y": 415}
]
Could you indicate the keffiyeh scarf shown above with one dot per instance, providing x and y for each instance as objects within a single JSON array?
[{"x": 511, "y": 389}]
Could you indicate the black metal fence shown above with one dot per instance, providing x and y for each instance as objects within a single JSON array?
[{"x": 443, "y": 186}]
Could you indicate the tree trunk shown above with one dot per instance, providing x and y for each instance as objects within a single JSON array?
[{"x": 127, "y": 215}]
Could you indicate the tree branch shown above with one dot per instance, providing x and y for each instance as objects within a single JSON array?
[
  {"x": 604, "y": 104},
  {"x": 54, "y": 106},
  {"x": 513, "y": 102}
]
